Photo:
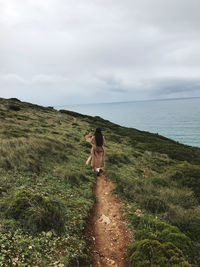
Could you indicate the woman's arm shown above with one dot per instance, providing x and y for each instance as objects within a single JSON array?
[{"x": 92, "y": 141}]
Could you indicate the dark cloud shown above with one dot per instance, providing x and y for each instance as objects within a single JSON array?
[
  {"x": 57, "y": 52},
  {"x": 177, "y": 86}
]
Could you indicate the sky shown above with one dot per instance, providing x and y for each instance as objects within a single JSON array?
[{"x": 63, "y": 52}]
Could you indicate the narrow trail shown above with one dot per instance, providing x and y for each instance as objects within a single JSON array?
[{"x": 107, "y": 234}]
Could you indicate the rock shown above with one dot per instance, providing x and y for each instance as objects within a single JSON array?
[
  {"x": 104, "y": 219},
  {"x": 112, "y": 262}
]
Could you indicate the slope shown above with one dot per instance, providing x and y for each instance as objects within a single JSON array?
[
  {"x": 47, "y": 191},
  {"x": 45, "y": 188}
]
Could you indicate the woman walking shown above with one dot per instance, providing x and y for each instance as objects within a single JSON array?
[{"x": 97, "y": 152}]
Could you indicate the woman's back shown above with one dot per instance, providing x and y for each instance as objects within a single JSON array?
[
  {"x": 96, "y": 143},
  {"x": 97, "y": 151}
]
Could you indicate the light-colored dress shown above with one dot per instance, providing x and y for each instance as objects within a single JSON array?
[{"x": 97, "y": 154}]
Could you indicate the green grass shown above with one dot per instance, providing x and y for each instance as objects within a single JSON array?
[
  {"x": 153, "y": 253},
  {"x": 46, "y": 190},
  {"x": 163, "y": 188}
]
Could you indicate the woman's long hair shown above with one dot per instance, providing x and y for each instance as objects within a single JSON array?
[{"x": 98, "y": 137}]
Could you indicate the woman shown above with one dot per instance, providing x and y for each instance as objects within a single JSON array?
[{"x": 97, "y": 151}]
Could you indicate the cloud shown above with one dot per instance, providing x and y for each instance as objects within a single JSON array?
[
  {"x": 178, "y": 87},
  {"x": 64, "y": 52}
]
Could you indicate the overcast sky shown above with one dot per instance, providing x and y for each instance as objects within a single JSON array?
[{"x": 57, "y": 52}]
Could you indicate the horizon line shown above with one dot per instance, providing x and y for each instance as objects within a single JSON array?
[{"x": 131, "y": 101}]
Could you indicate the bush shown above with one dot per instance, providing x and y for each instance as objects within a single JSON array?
[
  {"x": 147, "y": 227},
  {"x": 183, "y": 197},
  {"x": 14, "y": 107},
  {"x": 72, "y": 113},
  {"x": 153, "y": 253},
  {"x": 188, "y": 175},
  {"x": 35, "y": 212},
  {"x": 154, "y": 204},
  {"x": 188, "y": 221},
  {"x": 171, "y": 148},
  {"x": 3, "y": 190},
  {"x": 179, "y": 239},
  {"x": 159, "y": 182},
  {"x": 14, "y": 99},
  {"x": 113, "y": 138}
]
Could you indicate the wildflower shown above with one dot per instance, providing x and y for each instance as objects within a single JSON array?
[
  {"x": 49, "y": 234},
  {"x": 138, "y": 212}
]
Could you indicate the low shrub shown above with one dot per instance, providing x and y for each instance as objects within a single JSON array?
[
  {"x": 148, "y": 227},
  {"x": 159, "y": 182},
  {"x": 14, "y": 107},
  {"x": 179, "y": 239},
  {"x": 113, "y": 138},
  {"x": 183, "y": 197},
  {"x": 14, "y": 99},
  {"x": 188, "y": 175},
  {"x": 153, "y": 253},
  {"x": 72, "y": 113},
  {"x": 36, "y": 213},
  {"x": 172, "y": 149},
  {"x": 153, "y": 204},
  {"x": 43, "y": 249},
  {"x": 3, "y": 190},
  {"x": 188, "y": 221}
]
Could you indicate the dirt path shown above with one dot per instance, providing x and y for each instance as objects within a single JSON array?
[{"x": 107, "y": 234}]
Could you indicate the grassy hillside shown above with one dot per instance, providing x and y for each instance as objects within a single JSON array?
[{"x": 46, "y": 189}]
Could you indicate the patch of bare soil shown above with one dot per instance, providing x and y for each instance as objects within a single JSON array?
[{"x": 107, "y": 233}]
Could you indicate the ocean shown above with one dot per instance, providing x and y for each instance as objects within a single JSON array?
[{"x": 177, "y": 119}]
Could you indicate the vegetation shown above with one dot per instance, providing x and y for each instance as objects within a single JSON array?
[
  {"x": 161, "y": 192},
  {"x": 46, "y": 189},
  {"x": 153, "y": 253}
]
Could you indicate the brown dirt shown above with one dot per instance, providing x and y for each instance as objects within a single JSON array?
[{"x": 107, "y": 233}]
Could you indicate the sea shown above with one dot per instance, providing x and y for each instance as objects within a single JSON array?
[{"x": 177, "y": 119}]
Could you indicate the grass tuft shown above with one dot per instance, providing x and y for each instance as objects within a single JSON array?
[{"x": 36, "y": 213}]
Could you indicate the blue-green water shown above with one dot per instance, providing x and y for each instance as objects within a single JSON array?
[{"x": 176, "y": 119}]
